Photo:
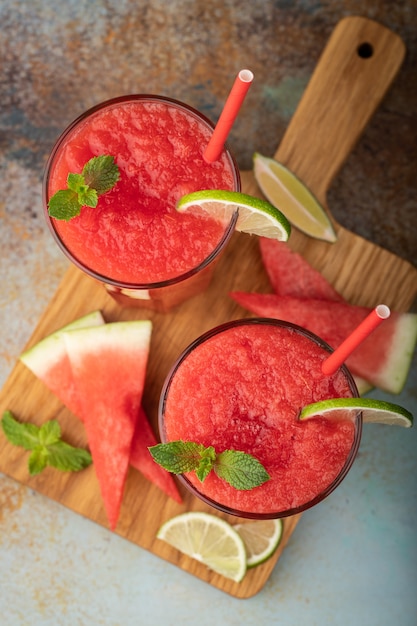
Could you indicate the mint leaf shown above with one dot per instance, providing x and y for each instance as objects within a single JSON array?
[
  {"x": 64, "y": 205},
  {"x": 47, "y": 448},
  {"x": 177, "y": 456},
  {"x": 49, "y": 433},
  {"x": 87, "y": 197},
  {"x": 101, "y": 173},
  {"x": 24, "y": 435},
  {"x": 239, "y": 469},
  {"x": 208, "y": 457},
  {"x": 66, "y": 458},
  {"x": 38, "y": 460},
  {"x": 75, "y": 182}
]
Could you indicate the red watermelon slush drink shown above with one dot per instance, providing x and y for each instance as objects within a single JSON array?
[
  {"x": 134, "y": 241},
  {"x": 241, "y": 387}
]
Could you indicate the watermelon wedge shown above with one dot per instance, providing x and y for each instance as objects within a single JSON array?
[
  {"x": 108, "y": 366},
  {"x": 383, "y": 359},
  {"x": 291, "y": 275},
  {"x": 141, "y": 459},
  {"x": 48, "y": 360}
]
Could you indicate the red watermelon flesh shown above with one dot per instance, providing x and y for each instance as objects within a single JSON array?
[
  {"x": 141, "y": 459},
  {"x": 108, "y": 366},
  {"x": 49, "y": 361},
  {"x": 383, "y": 359},
  {"x": 291, "y": 275}
]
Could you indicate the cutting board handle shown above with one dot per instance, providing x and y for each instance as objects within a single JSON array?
[{"x": 353, "y": 74}]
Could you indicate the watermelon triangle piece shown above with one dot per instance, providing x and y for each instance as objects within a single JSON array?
[
  {"x": 383, "y": 359},
  {"x": 141, "y": 459},
  {"x": 291, "y": 275},
  {"x": 109, "y": 366},
  {"x": 49, "y": 361}
]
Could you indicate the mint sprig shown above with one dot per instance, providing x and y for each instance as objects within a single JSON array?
[
  {"x": 241, "y": 470},
  {"x": 45, "y": 444},
  {"x": 99, "y": 175}
]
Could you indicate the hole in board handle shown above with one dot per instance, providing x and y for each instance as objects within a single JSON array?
[{"x": 365, "y": 50}]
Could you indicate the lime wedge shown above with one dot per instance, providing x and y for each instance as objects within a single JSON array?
[
  {"x": 208, "y": 539},
  {"x": 373, "y": 411},
  {"x": 284, "y": 190},
  {"x": 261, "y": 539},
  {"x": 255, "y": 216}
]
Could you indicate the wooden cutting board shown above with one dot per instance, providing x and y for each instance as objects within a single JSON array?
[{"x": 342, "y": 95}]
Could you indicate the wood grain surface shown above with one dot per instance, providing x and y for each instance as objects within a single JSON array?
[{"x": 342, "y": 95}]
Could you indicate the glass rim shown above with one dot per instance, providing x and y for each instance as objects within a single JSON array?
[
  {"x": 320, "y": 342},
  {"x": 228, "y": 232}
]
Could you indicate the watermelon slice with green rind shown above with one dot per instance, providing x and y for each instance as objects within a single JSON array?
[
  {"x": 48, "y": 360},
  {"x": 109, "y": 367},
  {"x": 383, "y": 359},
  {"x": 141, "y": 459},
  {"x": 291, "y": 275}
]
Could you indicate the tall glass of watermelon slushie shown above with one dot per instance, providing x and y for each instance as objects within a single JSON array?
[
  {"x": 135, "y": 242},
  {"x": 240, "y": 387}
]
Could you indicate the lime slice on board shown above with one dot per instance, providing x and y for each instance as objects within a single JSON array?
[
  {"x": 261, "y": 539},
  {"x": 255, "y": 216},
  {"x": 373, "y": 411},
  {"x": 208, "y": 539},
  {"x": 284, "y": 190}
]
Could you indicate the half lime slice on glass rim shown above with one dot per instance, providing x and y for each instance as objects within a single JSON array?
[
  {"x": 255, "y": 216},
  {"x": 373, "y": 411}
]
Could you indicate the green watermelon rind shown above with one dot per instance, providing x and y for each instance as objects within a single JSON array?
[
  {"x": 50, "y": 350},
  {"x": 116, "y": 334},
  {"x": 363, "y": 385},
  {"x": 391, "y": 370},
  {"x": 393, "y": 376}
]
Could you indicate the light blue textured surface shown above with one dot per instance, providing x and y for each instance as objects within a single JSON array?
[{"x": 351, "y": 560}]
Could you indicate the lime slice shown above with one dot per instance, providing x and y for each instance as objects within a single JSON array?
[
  {"x": 255, "y": 216},
  {"x": 284, "y": 190},
  {"x": 373, "y": 411},
  {"x": 261, "y": 539},
  {"x": 210, "y": 540}
]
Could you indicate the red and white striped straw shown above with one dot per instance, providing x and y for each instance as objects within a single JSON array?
[
  {"x": 365, "y": 328},
  {"x": 231, "y": 108}
]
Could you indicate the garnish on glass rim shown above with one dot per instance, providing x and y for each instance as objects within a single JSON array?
[
  {"x": 45, "y": 444},
  {"x": 255, "y": 216},
  {"x": 241, "y": 470},
  {"x": 98, "y": 176},
  {"x": 373, "y": 411}
]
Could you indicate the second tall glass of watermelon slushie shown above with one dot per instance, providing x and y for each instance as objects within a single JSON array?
[{"x": 241, "y": 387}]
